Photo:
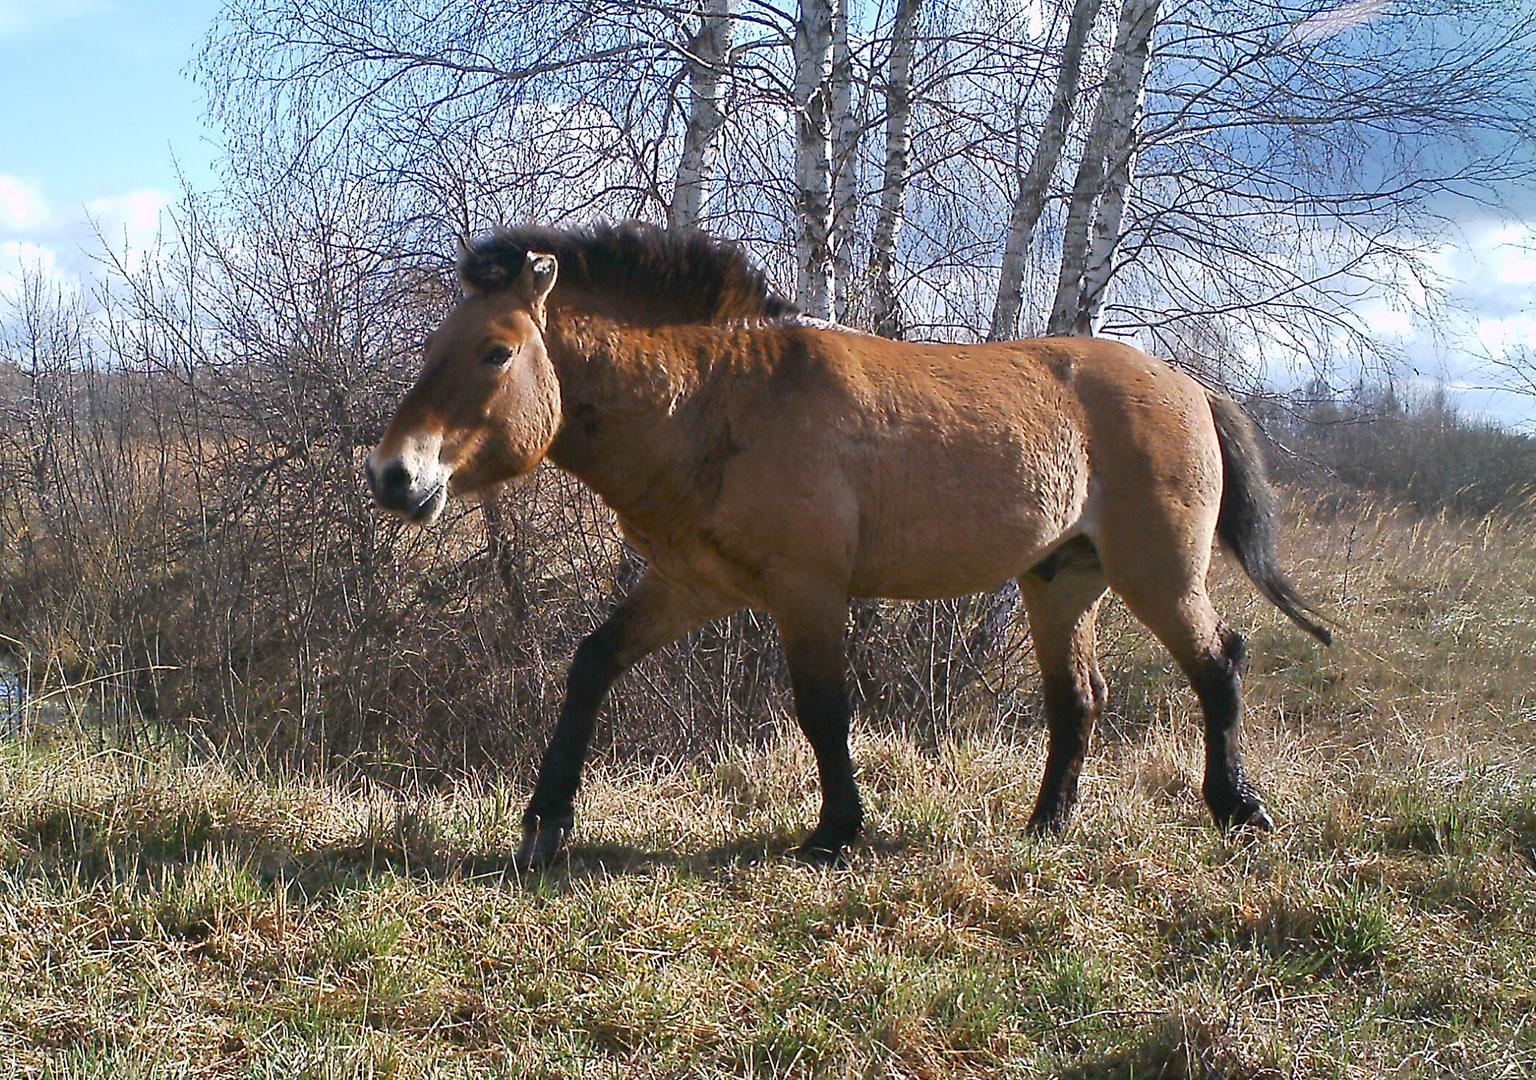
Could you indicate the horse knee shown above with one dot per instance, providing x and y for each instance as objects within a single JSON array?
[{"x": 1070, "y": 707}]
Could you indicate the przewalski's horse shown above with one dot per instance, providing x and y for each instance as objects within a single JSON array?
[{"x": 761, "y": 459}]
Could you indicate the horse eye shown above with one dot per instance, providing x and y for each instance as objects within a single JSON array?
[{"x": 498, "y": 356}]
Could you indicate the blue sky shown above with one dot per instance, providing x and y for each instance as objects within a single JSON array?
[{"x": 99, "y": 117}]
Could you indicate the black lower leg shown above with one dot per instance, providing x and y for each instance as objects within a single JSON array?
[
  {"x": 1069, "y": 712},
  {"x": 821, "y": 706},
  {"x": 550, "y": 811},
  {"x": 1233, "y": 801}
]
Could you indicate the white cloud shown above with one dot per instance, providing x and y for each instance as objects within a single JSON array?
[
  {"x": 1488, "y": 278},
  {"x": 1479, "y": 302},
  {"x": 1385, "y": 318},
  {"x": 1327, "y": 24},
  {"x": 1504, "y": 334},
  {"x": 1491, "y": 282},
  {"x": 20, "y": 260},
  {"x": 37, "y": 231},
  {"x": 1512, "y": 259},
  {"x": 133, "y": 218},
  {"x": 22, "y": 206},
  {"x": 1491, "y": 257}
]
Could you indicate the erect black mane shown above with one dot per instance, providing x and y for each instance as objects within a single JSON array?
[{"x": 676, "y": 276}]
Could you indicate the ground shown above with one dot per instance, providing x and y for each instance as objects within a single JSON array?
[{"x": 164, "y": 914}]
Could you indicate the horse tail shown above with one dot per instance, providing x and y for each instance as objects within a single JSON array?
[{"x": 1246, "y": 521}]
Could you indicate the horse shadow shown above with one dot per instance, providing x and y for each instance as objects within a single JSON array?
[
  {"x": 96, "y": 844},
  {"x": 583, "y": 863},
  {"x": 93, "y": 844}
]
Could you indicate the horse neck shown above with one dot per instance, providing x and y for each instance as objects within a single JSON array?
[{"x": 623, "y": 431}]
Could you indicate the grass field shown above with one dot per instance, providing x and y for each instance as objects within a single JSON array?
[{"x": 164, "y": 916}]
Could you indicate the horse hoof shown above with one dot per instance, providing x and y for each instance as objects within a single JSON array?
[
  {"x": 1046, "y": 826},
  {"x": 1051, "y": 816},
  {"x": 543, "y": 840},
  {"x": 1256, "y": 819},
  {"x": 1248, "y": 816},
  {"x": 826, "y": 846}
]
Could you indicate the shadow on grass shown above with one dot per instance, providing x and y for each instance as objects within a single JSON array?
[
  {"x": 89, "y": 845},
  {"x": 1177, "y": 1046},
  {"x": 588, "y": 862}
]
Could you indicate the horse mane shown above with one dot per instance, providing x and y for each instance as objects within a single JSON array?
[{"x": 660, "y": 276}]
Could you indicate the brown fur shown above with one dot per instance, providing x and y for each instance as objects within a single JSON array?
[{"x": 757, "y": 460}]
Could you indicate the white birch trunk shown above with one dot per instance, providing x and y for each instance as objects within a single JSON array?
[
  {"x": 813, "y": 158},
  {"x": 885, "y": 309},
  {"x": 1035, "y": 183},
  {"x": 709, "y": 49},
  {"x": 1106, "y": 229},
  {"x": 1113, "y": 131},
  {"x": 845, "y": 175}
]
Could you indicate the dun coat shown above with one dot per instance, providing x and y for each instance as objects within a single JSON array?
[{"x": 759, "y": 458}]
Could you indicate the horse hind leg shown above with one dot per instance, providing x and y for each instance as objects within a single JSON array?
[
  {"x": 1164, "y": 587},
  {"x": 1061, "y": 597},
  {"x": 1217, "y": 679}
]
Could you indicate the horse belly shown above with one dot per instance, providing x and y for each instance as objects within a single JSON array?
[{"x": 946, "y": 524}]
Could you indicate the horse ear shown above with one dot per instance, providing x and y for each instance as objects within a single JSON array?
[
  {"x": 465, "y": 262},
  {"x": 541, "y": 271},
  {"x": 483, "y": 268}
]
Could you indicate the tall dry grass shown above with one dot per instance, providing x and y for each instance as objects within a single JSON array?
[{"x": 170, "y": 913}]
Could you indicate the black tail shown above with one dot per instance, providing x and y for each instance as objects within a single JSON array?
[{"x": 1246, "y": 523}]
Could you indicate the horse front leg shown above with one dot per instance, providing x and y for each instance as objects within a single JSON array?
[
  {"x": 817, "y": 658},
  {"x": 653, "y": 615}
]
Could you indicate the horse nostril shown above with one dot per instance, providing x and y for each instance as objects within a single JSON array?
[{"x": 395, "y": 479}]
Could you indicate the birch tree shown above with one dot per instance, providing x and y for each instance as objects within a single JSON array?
[
  {"x": 1034, "y": 182},
  {"x": 814, "y": 268},
  {"x": 709, "y": 53},
  {"x": 1121, "y": 171},
  {"x": 885, "y": 309},
  {"x": 1103, "y": 174},
  {"x": 1289, "y": 156},
  {"x": 846, "y": 129},
  {"x": 1294, "y": 158}
]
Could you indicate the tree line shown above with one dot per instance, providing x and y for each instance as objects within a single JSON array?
[
  {"x": 1227, "y": 180},
  {"x": 181, "y": 516}
]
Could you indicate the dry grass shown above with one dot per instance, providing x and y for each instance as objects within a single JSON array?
[{"x": 166, "y": 916}]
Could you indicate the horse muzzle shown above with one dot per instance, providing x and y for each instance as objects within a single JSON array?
[{"x": 416, "y": 494}]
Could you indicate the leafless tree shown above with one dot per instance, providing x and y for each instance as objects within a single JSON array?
[
  {"x": 708, "y": 63},
  {"x": 1514, "y": 372},
  {"x": 1092, "y": 228},
  {"x": 885, "y": 308},
  {"x": 1294, "y": 158},
  {"x": 1034, "y": 182},
  {"x": 178, "y": 474},
  {"x": 847, "y": 129},
  {"x": 814, "y": 264}
]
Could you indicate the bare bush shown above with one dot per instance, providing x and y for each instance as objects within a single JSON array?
[
  {"x": 179, "y": 456},
  {"x": 184, "y": 521},
  {"x": 1416, "y": 447}
]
